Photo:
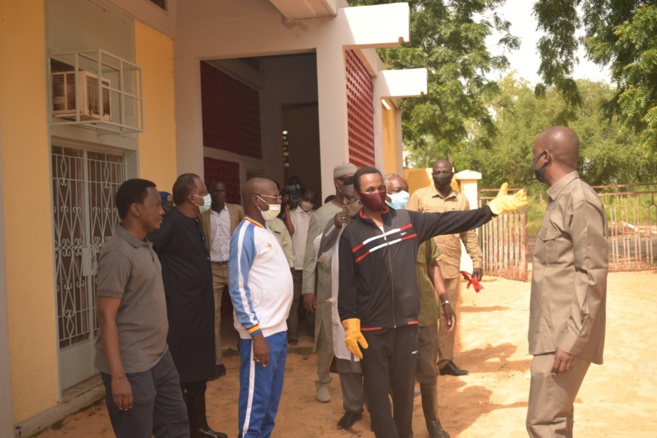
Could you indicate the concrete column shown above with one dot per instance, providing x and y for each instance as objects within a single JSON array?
[
  {"x": 189, "y": 116},
  {"x": 332, "y": 107},
  {"x": 468, "y": 182}
]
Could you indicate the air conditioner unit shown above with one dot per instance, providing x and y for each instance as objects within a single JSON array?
[{"x": 64, "y": 96}]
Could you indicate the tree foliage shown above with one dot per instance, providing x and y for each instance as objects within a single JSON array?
[
  {"x": 449, "y": 39},
  {"x": 620, "y": 34},
  {"x": 610, "y": 153}
]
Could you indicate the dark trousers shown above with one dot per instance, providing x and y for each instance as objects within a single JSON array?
[
  {"x": 391, "y": 358},
  {"x": 427, "y": 355},
  {"x": 158, "y": 406}
]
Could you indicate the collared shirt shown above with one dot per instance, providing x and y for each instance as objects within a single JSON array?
[
  {"x": 129, "y": 269},
  {"x": 429, "y": 199},
  {"x": 278, "y": 228},
  {"x": 220, "y": 229},
  {"x": 569, "y": 275},
  {"x": 300, "y": 219},
  {"x": 427, "y": 252}
]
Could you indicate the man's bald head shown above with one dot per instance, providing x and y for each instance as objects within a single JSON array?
[
  {"x": 395, "y": 183},
  {"x": 267, "y": 194},
  {"x": 255, "y": 186},
  {"x": 562, "y": 143},
  {"x": 443, "y": 163}
]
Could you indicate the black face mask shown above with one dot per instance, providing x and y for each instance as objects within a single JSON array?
[
  {"x": 442, "y": 181},
  {"x": 539, "y": 173}
]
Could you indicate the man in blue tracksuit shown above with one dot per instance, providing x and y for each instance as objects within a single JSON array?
[
  {"x": 261, "y": 289},
  {"x": 379, "y": 300}
]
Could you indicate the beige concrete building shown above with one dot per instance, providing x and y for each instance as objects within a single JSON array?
[{"x": 93, "y": 92}]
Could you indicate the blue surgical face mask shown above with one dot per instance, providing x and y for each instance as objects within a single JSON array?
[{"x": 398, "y": 200}]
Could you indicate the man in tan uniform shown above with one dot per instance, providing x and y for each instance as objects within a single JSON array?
[
  {"x": 569, "y": 286},
  {"x": 219, "y": 224},
  {"x": 316, "y": 282},
  {"x": 440, "y": 197}
]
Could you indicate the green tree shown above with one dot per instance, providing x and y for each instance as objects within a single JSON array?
[
  {"x": 620, "y": 34},
  {"x": 610, "y": 153},
  {"x": 449, "y": 39}
]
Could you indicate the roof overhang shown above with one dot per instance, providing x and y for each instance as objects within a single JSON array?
[{"x": 304, "y": 9}]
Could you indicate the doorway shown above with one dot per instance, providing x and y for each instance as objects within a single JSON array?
[
  {"x": 84, "y": 184},
  {"x": 300, "y": 128}
]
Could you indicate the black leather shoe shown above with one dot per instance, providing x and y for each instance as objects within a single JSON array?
[
  {"x": 450, "y": 369},
  {"x": 348, "y": 420},
  {"x": 219, "y": 371}
]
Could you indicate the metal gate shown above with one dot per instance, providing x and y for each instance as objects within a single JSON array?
[
  {"x": 504, "y": 241},
  {"x": 632, "y": 225},
  {"x": 84, "y": 184},
  {"x": 631, "y": 211}
]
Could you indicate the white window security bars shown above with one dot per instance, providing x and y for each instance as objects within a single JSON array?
[{"x": 96, "y": 89}]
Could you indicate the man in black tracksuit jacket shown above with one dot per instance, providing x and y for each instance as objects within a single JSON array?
[{"x": 378, "y": 289}]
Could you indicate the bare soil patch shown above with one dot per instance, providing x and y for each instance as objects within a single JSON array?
[{"x": 617, "y": 399}]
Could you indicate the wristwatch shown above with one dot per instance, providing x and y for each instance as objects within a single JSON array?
[{"x": 442, "y": 303}]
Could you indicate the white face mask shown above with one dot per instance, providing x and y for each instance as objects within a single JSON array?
[
  {"x": 274, "y": 210},
  {"x": 207, "y": 202},
  {"x": 306, "y": 206}
]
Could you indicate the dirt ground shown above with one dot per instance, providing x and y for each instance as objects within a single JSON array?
[{"x": 617, "y": 399}]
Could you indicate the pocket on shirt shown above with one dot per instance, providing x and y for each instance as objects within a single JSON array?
[{"x": 546, "y": 250}]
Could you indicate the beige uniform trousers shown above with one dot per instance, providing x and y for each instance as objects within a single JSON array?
[
  {"x": 219, "y": 281},
  {"x": 551, "y": 397}
]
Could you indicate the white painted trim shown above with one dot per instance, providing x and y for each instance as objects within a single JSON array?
[
  {"x": 401, "y": 83},
  {"x": 149, "y": 13}
]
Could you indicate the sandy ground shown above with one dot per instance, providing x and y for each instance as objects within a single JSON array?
[{"x": 617, "y": 399}]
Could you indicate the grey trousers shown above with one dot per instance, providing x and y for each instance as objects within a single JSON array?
[
  {"x": 158, "y": 406},
  {"x": 550, "y": 412},
  {"x": 324, "y": 357},
  {"x": 351, "y": 382}
]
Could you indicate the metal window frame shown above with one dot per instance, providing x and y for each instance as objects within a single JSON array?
[{"x": 102, "y": 64}]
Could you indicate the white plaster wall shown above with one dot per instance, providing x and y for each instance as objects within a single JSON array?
[{"x": 209, "y": 29}]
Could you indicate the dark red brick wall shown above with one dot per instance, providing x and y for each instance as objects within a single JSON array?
[
  {"x": 231, "y": 113},
  {"x": 228, "y": 172},
  {"x": 360, "y": 112}
]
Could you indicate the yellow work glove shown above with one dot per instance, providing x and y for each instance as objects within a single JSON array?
[
  {"x": 353, "y": 336},
  {"x": 504, "y": 203}
]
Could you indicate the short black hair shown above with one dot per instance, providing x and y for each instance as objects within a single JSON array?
[
  {"x": 131, "y": 191},
  {"x": 363, "y": 171},
  {"x": 183, "y": 187},
  {"x": 309, "y": 190},
  {"x": 215, "y": 182},
  {"x": 329, "y": 198}
]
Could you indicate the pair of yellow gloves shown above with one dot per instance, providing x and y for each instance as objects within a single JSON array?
[{"x": 503, "y": 203}]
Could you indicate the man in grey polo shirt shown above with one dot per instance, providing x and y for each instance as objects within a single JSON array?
[{"x": 142, "y": 386}]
